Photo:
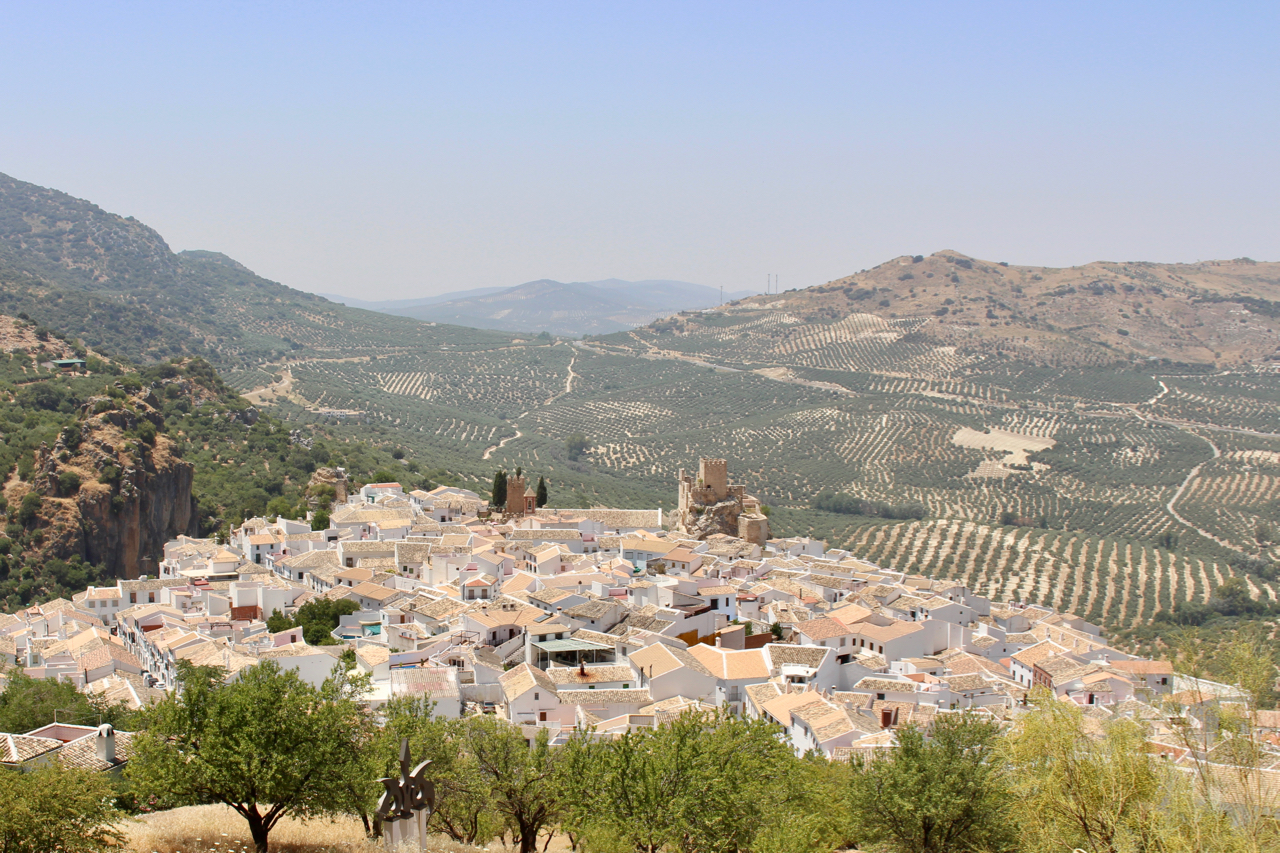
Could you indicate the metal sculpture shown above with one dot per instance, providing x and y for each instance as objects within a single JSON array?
[{"x": 407, "y": 804}]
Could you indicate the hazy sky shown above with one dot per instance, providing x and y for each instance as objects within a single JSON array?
[{"x": 389, "y": 150}]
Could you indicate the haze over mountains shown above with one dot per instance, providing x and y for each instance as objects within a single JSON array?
[
  {"x": 114, "y": 282},
  {"x": 562, "y": 308}
]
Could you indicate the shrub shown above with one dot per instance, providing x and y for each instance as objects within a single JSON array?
[
  {"x": 68, "y": 483},
  {"x": 54, "y": 808},
  {"x": 577, "y": 446},
  {"x": 146, "y": 431},
  {"x": 29, "y": 511}
]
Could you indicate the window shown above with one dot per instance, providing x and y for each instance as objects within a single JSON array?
[
  {"x": 880, "y": 696},
  {"x": 151, "y": 598},
  {"x": 133, "y": 598},
  {"x": 626, "y": 687},
  {"x": 535, "y": 697}
]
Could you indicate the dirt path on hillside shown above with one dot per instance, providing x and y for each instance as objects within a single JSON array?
[
  {"x": 501, "y": 444},
  {"x": 568, "y": 380},
  {"x": 283, "y": 388},
  {"x": 1186, "y": 483}
]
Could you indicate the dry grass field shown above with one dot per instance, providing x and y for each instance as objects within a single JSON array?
[{"x": 217, "y": 829}]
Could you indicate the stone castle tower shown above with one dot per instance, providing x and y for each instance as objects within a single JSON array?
[
  {"x": 711, "y": 504},
  {"x": 521, "y": 500}
]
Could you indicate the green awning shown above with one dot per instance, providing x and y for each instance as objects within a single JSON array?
[{"x": 571, "y": 646}]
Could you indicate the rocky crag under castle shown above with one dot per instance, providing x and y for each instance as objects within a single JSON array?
[{"x": 711, "y": 504}]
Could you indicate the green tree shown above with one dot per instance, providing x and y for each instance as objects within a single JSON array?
[
  {"x": 28, "y": 703},
  {"x": 324, "y": 495},
  {"x": 281, "y": 507},
  {"x": 942, "y": 794},
  {"x": 702, "y": 782},
  {"x": 543, "y": 497},
  {"x": 498, "y": 496},
  {"x": 29, "y": 509},
  {"x": 278, "y": 622},
  {"x": 577, "y": 445},
  {"x": 1074, "y": 790},
  {"x": 268, "y": 745},
  {"x": 320, "y": 520},
  {"x": 320, "y": 616},
  {"x": 518, "y": 778},
  {"x": 56, "y": 808}
]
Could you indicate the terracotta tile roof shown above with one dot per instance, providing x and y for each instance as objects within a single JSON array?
[
  {"x": 377, "y": 592},
  {"x": 1143, "y": 667},
  {"x": 617, "y": 519},
  {"x": 885, "y": 685},
  {"x": 311, "y": 560},
  {"x": 14, "y": 749},
  {"x": 782, "y": 707},
  {"x": 822, "y": 628},
  {"x": 523, "y": 678},
  {"x": 664, "y": 659},
  {"x": 811, "y": 656},
  {"x": 82, "y": 753},
  {"x": 373, "y": 655},
  {"x": 635, "y": 695},
  {"x": 562, "y": 675},
  {"x": 1041, "y": 651},
  {"x": 732, "y": 665}
]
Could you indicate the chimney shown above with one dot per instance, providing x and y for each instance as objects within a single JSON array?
[
  {"x": 719, "y": 642},
  {"x": 106, "y": 743}
]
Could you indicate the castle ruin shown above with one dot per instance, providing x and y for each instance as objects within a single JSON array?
[{"x": 711, "y": 504}]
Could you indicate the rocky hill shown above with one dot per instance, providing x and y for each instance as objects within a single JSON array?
[
  {"x": 115, "y": 283},
  {"x": 1215, "y": 312},
  {"x": 101, "y": 466}
]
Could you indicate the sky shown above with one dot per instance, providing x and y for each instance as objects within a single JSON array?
[{"x": 387, "y": 151}]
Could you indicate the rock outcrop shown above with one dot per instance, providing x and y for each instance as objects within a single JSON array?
[{"x": 114, "y": 489}]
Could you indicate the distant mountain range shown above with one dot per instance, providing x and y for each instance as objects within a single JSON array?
[{"x": 572, "y": 308}]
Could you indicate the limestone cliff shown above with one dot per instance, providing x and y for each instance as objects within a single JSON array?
[{"x": 133, "y": 493}]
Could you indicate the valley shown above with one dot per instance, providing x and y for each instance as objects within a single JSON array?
[{"x": 1053, "y": 452}]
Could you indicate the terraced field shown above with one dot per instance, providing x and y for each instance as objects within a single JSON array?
[{"x": 1049, "y": 484}]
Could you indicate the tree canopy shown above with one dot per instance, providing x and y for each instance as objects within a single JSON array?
[
  {"x": 267, "y": 744},
  {"x": 941, "y": 794},
  {"x": 56, "y": 808}
]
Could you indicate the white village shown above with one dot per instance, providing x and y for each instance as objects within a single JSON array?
[{"x": 605, "y": 621}]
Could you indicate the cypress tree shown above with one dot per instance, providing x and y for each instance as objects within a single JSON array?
[
  {"x": 499, "y": 489},
  {"x": 542, "y": 491}
]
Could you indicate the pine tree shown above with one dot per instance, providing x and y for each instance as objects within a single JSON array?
[
  {"x": 499, "y": 489},
  {"x": 542, "y": 491}
]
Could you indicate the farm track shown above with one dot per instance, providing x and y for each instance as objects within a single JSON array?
[
  {"x": 1191, "y": 476},
  {"x": 489, "y": 451}
]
